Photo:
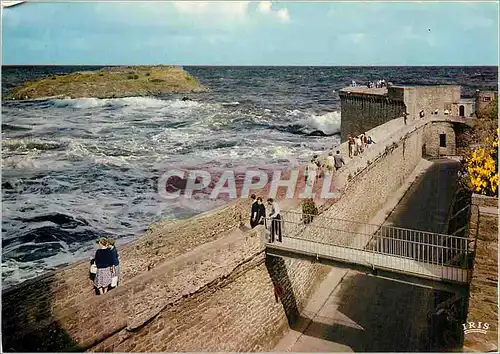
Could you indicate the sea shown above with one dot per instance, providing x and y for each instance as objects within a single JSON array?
[{"x": 77, "y": 169}]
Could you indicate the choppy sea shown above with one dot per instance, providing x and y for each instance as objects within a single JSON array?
[{"x": 76, "y": 169}]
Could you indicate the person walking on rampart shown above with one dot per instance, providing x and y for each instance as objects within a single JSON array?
[
  {"x": 370, "y": 141},
  {"x": 350, "y": 144},
  {"x": 275, "y": 217},
  {"x": 328, "y": 164},
  {"x": 319, "y": 171},
  {"x": 311, "y": 169},
  {"x": 338, "y": 161},
  {"x": 316, "y": 160},
  {"x": 358, "y": 148},
  {"x": 363, "y": 140},
  {"x": 261, "y": 213},
  {"x": 116, "y": 263},
  {"x": 254, "y": 212},
  {"x": 104, "y": 261}
]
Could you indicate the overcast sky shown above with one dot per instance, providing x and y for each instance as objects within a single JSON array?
[{"x": 251, "y": 33}]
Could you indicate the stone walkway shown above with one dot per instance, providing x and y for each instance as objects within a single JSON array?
[{"x": 353, "y": 312}]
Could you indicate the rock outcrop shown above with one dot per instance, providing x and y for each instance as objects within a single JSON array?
[{"x": 111, "y": 82}]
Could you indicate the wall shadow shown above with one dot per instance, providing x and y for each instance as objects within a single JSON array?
[
  {"x": 426, "y": 205},
  {"x": 27, "y": 321},
  {"x": 378, "y": 315},
  {"x": 278, "y": 273}
]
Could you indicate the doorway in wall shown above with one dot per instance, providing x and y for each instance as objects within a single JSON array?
[
  {"x": 461, "y": 111},
  {"x": 442, "y": 140}
]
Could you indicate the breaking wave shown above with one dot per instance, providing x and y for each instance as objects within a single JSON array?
[
  {"x": 327, "y": 124},
  {"x": 21, "y": 145},
  {"x": 116, "y": 103}
]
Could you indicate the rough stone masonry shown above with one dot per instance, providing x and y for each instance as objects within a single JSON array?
[{"x": 205, "y": 283}]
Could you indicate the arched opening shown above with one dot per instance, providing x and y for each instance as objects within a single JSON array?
[{"x": 461, "y": 111}]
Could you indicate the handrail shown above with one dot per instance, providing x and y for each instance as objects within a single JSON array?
[
  {"x": 421, "y": 246},
  {"x": 369, "y": 224},
  {"x": 377, "y": 252},
  {"x": 378, "y": 236}
]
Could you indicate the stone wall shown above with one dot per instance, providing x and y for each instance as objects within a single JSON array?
[
  {"x": 375, "y": 176},
  {"x": 483, "y": 298},
  {"x": 202, "y": 284},
  {"x": 364, "y": 109},
  {"x": 40, "y": 301},
  {"x": 432, "y": 133},
  {"x": 484, "y": 99},
  {"x": 429, "y": 99},
  {"x": 468, "y": 108},
  {"x": 176, "y": 307},
  {"x": 362, "y": 112},
  {"x": 221, "y": 272}
]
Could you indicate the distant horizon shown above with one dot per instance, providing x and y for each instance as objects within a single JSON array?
[
  {"x": 250, "y": 33},
  {"x": 264, "y": 66}
]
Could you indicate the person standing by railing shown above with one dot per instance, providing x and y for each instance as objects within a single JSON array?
[
  {"x": 254, "y": 212},
  {"x": 261, "y": 213},
  {"x": 275, "y": 217}
]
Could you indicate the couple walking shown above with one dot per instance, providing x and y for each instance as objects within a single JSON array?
[
  {"x": 105, "y": 267},
  {"x": 258, "y": 216}
]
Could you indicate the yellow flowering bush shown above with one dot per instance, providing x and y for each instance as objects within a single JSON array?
[{"x": 482, "y": 168}]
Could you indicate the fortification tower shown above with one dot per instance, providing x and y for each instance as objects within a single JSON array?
[{"x": 484, "y": 99}]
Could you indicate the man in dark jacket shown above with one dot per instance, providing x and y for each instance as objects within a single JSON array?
[
  {"x": 254, "y": 212},
  {"x": 339, "y": 160},
  {"x": 261, "y": 215}
]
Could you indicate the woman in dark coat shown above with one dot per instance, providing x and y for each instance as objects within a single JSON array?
[
  {"x": 104, "y": 261},
  {"x": 116, "y": 262}
]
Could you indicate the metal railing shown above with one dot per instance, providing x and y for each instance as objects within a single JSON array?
[{"x": 315, "y": 232}]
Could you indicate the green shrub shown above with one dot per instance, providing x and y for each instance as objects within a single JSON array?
[
  {"x": 133, "y": 77},
  {"x": 156, "y": 80}
]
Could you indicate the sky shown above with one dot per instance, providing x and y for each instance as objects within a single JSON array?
[{"x": 251, "y": 33}]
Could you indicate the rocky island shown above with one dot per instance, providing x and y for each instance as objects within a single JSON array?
[{"x": 112, "y": 82}]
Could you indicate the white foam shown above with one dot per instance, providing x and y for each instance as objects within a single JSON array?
[
  {"x": 136, "y": 102},
  {"x": 294, "y": 112},
  {"x": 328, "y": 123},
  {"x": 279, "y": 151}
]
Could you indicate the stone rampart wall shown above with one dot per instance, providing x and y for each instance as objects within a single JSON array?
[
  {"x": 429, "y": 99},
  {"x": 483, "y": 298},
  {"x": 362, "y": 112},
  {"x": 432, "y": 133},
  {"x": 202, "y": 284}
]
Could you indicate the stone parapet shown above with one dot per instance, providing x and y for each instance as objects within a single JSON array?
[
  {"x": 483, "y": 298},
  {"x": 202, "y": 283}
]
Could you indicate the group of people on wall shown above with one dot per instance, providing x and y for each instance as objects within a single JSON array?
[
  {"x": 332, "y": 162},
  {"x": 358, "y": 144},
  {"x": 105, "y": 266},
  {"x": 373, "y": 84},
  {"x": 258, "y": 216}
]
